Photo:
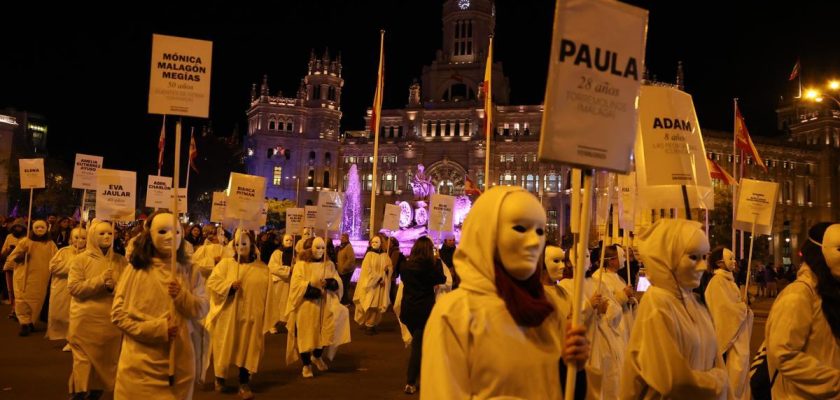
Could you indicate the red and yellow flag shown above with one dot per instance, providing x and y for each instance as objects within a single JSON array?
[
  {"x": 716, "y": 172},
  {"x": 743, "y": 140},
  {"x": 193, "y": 153}
]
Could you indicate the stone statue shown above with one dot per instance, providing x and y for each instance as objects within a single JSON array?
[{"x": 421, "y": 184}]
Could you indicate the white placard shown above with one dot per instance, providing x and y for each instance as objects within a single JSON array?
[
  {"x": 246, "y": 195},
  {"x": 626, "y": 202},
  {"x": 330, "y": 210},
  {"x": 311, "y": 217},
  {"x": 391, "y": 219},
  {"x": 84, "y": 171},
  {"x": 295, "y": 220},
  {"x": 180, "y": 76},
  {"x": 756, "y": 202},
  {"x": 159, "y": 192},
  {"x": 257, "y": 224},
  {"x": 182, "y": 200},
  {"x": 32, "y": 173},
  {"x": 594, "y": 74},
  {"x": 116, "y": 194},
  {"x": 441, "y": 207},
  {"x": 217, "y": 210},
  {"x": 670, "y": 152}
]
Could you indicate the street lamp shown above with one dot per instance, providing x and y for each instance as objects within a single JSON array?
[
  {"x": 817, "y": 96},
  {"x": 297, "y": 189}
]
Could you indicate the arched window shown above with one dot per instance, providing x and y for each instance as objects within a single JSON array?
[
  {"x": 552, "y": 183},
  {"x": 312, "y": 156},
  {"x": 289, "y": 126},
  {"x": 326, "y": 182},
  {"x": 271, "y": 124},
  {"x": 278, "y": 175},
  {"x": 446, "y": 187},
  {"x": 388, "y": 182},
  {"x": 530, "y": 183},
  {"x": 327, "y": 158},
  {"x": 310, "y": 179}
]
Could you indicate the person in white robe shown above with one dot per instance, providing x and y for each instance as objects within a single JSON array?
[
  {"x": 497, "y": 335},
  {"x": 803, "y": 327},
  {"x": 280, "y": 265},
  {"x": 58, "y": 321},
  {"x": 371, "y": 296},
  {"x": 210, "y": 253},
  {"x": 17, "y": 232},
  {"x": 316, "y": 320},
  {"x": 158, "y": 313},
  {"x": 94, "y": 340},
  {"x": 673, "y": 353},
  {"x": 31, "y": 263},
  {"x": 733, "y": 320},
  {"x": 623, "y": 293},
  {"x": 299, "y": 248},
  {"x": 239, "y": 316}
]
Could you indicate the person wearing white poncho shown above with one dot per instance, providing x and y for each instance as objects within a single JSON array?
[
  {"x": 94, "y": 340},
  {"x": 672, "y": 353},
  {"x": 280, "y": 265},
  {"x": 210, "y": 253},
  {"x": 30, "y": 261},
  {"x": 59, "y": 318},
  {"x": 373, "y": 288},
  {"x": 624, "y": 295},
  {"x": 239, "y": 316},
  {"x": 497, "y": 335},
  {"x": 733, "y": 320},
  {"x": 143, "y": 310}
]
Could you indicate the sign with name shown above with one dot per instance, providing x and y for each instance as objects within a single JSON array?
[
  {"x": 159, "y": 192},
  {"x": 594, "y": 74},
  {"x": 32, "y": 173},
  {"x": 627, "y": 202},
  {"x": 330, "y": 210},
  {"x": 180, "y": 76},
  {"x": 182, "y": 200},
  {"x": 246, "y": 195},
  {"x": 756, "y": 202},
  {"x": 311, "y": 218},
  {"x": 256, "y": 225},
  {"x": 115, "y": 194},
  {"x": 391, "y": 219},
  {"x": 440, "y": 212},
  {"x": 294, "y": 220},
  {"x": 217, "y": 210},
  {"x": 84, "y": 171},
  {"x": 670, "y": 151}
]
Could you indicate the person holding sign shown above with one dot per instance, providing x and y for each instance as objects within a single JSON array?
[
  {"x": 280, "y": 266},
  {"x": 803, "y": 328},
  {"x": 239, "y": 316},
  {"x": 31, "y": 263},
  {"x": 372, "y": 290},
  {"x": 311, "y": 312},
  {"x": 498, "y": 335},
  {"x": 210, "y": 253},
  {"x": 619, "y": 290},
  {"x": 672, "y": 352},
  {"x": 143, "y": 305},
  {"x": 94, "y": 340},
  {"x": 732, "y": 318},
  {"x": 59, "y": 316}
]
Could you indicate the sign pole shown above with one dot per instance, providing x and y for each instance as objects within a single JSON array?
[
  {"x": 749, "y": 260},
  {"x": 586, "y": 209}
]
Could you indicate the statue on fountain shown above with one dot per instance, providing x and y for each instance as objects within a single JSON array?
[{"x": 422, "y": 185}]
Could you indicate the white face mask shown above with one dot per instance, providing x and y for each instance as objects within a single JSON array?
[
  {"x": 728, "y": 260},
  {"x": 521, "y": 234},
  {"x": 78, "y": 239},
  {"x": 831, "y": 249},
  {"x": 306, "y": 234},
  {"x": 375, "y": 243},
  {"x": 692, "y": 263},
  {"x": 242, "y": 244},
  {"x": 164, "y": 238},
  {"x": 104, "y": 235},
  {"x": 287, "y": 241},
  {"x": 622, "y": 257},
  {"x": 39, "y": 228},
  {"x": 554, "y": 264},
  {"x": 318, "y": 248}
]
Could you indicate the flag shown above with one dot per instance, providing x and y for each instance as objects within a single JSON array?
[
  {"x": 280, "y": 150},
  {"x": 470, "y": 189},
  {"x": 193, "y": 153},
  {"x": 795, "y": 72},
  {"x": 743, "y": 140},
  {"x": 375, "y": 118},
  {"x": 488, "y": 108},
  {"x": 719, "y": 173},
  {"x": 161, "y": 144}
]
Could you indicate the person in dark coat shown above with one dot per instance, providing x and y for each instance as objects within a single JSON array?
[{"x": 420, "y": 274}]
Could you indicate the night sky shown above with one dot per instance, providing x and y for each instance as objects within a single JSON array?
[{"x": 89, "y": 76}]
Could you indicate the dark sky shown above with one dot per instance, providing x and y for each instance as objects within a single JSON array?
[{"x": 89, "y": 76}]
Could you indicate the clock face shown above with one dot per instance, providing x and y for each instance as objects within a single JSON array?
[{"x": 464, "y": 4}]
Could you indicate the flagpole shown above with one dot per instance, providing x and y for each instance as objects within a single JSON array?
[
  {"x": 488, "y": 106},
  {"x": 734, "y": 168},
  {"x": 374, "y": 127}
]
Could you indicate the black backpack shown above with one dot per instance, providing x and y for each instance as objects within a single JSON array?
[{"x": 760, "y": 382}]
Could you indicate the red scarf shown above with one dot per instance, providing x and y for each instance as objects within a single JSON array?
[{"x": 524, "y": 300}]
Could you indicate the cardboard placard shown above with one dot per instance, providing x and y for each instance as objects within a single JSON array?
[
  {"x": 84, "y": 171},
  {"x": 626, "y": 202},
  {"x": 295, "y": 220},
  {"x": 756, "y": 202},
  {"x": 217, "y": 210},
  {"x": 159, "y": 192},
  {"x": 180, "y": 76},
  {"x": 441, "y": 209},
  {"x": 116, "y": 194},
  {"x": 330, "y": 210},
  {"x": 391, "y": 219},
  {"x": 246, "y": 195},
  {"x": 311, "y": 217},
  {"x": 32, "y": 173}
]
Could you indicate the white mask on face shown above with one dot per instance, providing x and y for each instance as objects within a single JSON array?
[
  {"x": 306, "y": 234},
  {"x": 163, "y": 234},
  {"x": 692, "y": 263},
  {"x": 104, "y": 235},
  {"x": 39, "y": 228},
  {"x": 78, "y": 239},
  {"x": 375, "y": 243},
  {"x": 554, "y": 264},
  {"x": 728, "y": 260},
  {"x": 831, "y": 249},
  {"x": 622, "y": 257},
  {"x": 318, "y": 248},
  {"x": 287, "y": 241},
  {"x": 521, "y": 234},
  {"x": 242, "y": 244}
]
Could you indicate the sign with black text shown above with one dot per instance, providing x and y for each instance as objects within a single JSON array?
[
  {"x": 116, "y": 194},
  {"x": 217, "y": 210},
  {"x": 159, "y": 192},
  {"x": 330, "y": 210},
  {"x": 246, "y": 195},
  {"x": 441, "y": 207},
  {"x": 32, "y": 173},
  {"x": 84, "y": 171},
  {"x": 295, "y": 221},
  {"x": 391, "y": 219},
  {"x": 756, "y": 203},
  {"x": 180, "y": 76}
]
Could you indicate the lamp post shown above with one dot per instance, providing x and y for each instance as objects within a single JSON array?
[
  {"x": 817, "y": 96},
  {"x": 297, "y": 189}
]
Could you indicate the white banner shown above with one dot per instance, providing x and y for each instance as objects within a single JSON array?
[
  {"x": 440, "y": 212},
  {"x": 594, "y": 74},
  {"x": 217, "y": 210},
  {"x": 32, "y": 173},
  {"x": 180, "y": 76},
  {"x": 295, "y": 220},
  {"x": 330, "y": 210},
  {"x": 626, "y": 202},
  {"x": 246, "y": 195},
  {"x": 159, "y": 192},
  {"x": 670, "y": 152},
  {"x": 84, "y": 171},
  {"x": 391, "y": 219},
  {"x": 311, "y": 217},
  {"x": 756, "y": 202},
  {"x": 115, "y": 194}
]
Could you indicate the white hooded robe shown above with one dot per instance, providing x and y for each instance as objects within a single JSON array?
[
  {"x": 733, "y": 329},
  {"x": 59, "y": 317},
  {"x": 372, "y": 298},
  {"x": 31, "y": 278}
]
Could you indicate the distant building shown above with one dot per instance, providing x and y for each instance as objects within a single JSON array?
[{"x": 22, "y": 135}]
